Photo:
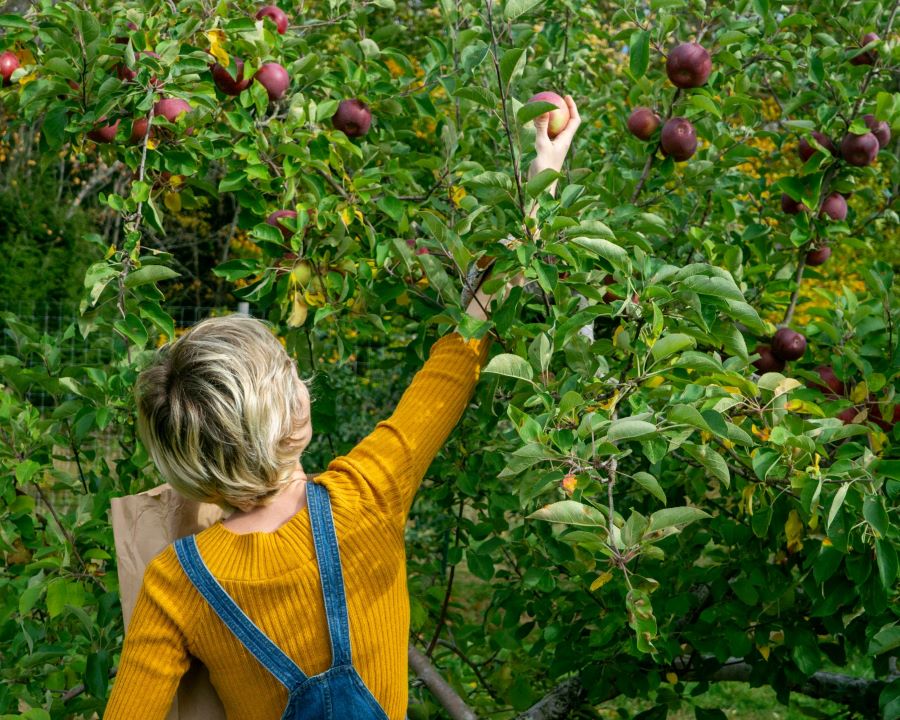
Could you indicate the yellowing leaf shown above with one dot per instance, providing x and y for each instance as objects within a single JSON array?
[
  {"x": 746, "y": 503},
  {"x": 764, "y": 651},
  {"x": 216, "y": 41},
  {"x": 346, "y": 216},
  {"x": 671, "y": 678},
  {"x": 403, "y": 299},
  {"x": 860, "y": 392},
  {"x": 110, "y": 251},
  {"x": 611, "y": 402},
  {"x": 172, "y": 201},
  {"x": 298, "y": 312},
  {"x": 569, "y": 483},
  {"x": 793, "y": 529},
  {"x": 25, "y": 79},
  {"x": 601, "y": 580},
  {"x": 457, "y": 193},
  {"x": 761, "y": 433},
  {"x": 655, "y": 381}
]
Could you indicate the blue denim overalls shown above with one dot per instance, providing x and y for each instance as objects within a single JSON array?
[{"x": 339, "y": 692}]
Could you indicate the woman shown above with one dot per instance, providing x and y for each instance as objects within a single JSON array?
[{"x": 225, "y": 416}]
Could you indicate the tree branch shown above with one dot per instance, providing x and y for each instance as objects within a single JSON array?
[{"x": 455, "y": 706}]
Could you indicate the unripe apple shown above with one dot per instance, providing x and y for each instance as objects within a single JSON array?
[
  {"x": 767, "y": 362},
  {"x": 274, "y": 78},
  {"x": 302, "y": 273},
  {"x": 104, "y": 133},
  {"x": 352, "y": 118},
  {"x": 834, "y": 206},
  {"x": 859, "y": 150},
  {"x": 788, "y": 344},
  {"x": 273, "y": 221},
  {"x": 806, "y": 150},
  {"x": 559, "y": 118},
  {"x": 818, "y": 256},
  {"x": 688, "y": 65},
  {"x": 832, "y": 383},
  {"x": 642, "y": 123},
  {"x": 791, "y": 206},
  {"x": 880, "y": 129},
  {"x": 8, "y": 65},
  {"x": 138, "y": 131},
  {"x": 228, "y": 84},
  {"x": 276, "y": 15},
  {"x": 678, "y": 139},
  {"x": 868, "y": 57}
]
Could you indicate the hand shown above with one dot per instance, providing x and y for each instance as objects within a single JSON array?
[{"x": 552, "y": 153}]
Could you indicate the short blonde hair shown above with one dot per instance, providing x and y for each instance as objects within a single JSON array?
[{"x": 223, "y": 413}]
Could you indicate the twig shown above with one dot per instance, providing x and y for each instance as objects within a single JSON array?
[{"x": 801, "y": 266}]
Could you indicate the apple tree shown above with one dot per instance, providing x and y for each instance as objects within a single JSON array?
[{"x": 681, "y": 466}]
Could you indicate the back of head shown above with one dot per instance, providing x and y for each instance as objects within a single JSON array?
[{"x": 223, "y": 413}]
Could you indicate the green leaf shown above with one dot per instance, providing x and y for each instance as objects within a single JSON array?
[
  {"x": 509, "y": 64},
  {"x": 651, "y": 485},
  {"x": 54, "y": 126},
  {"x": 25, "y": 470},
  {"x": 57, "y": 593},
  {"x": 570, "y": 512},
  {"x": 703, "y": 102},
  {"x": 529, "y": 111},
  {"x": 886, "y": 557},
  {"x": 876, "y": 515},
  {"x": 14, "y": 21},
  {"x": 96, "y": 673},
  {"x": 132, "y": 328},
  {"x": 670, "y": 517},
  {"x": 149, "y": 274},
  {"x": 515, "y": 8},
  {"x": 671, "y": 344},
  {"x": 837, "y": 502},
  {"x": 509, "y": 365},
  {"x": 712, "y": 461},
  {"x": 762, "y": 7},
  {"x": 639, "y": 53},
  {"x": 541, "y": 182},
  {"x": 715, "y": 286},
  {"x": 886, "y": 639},
  {"x": 604, "y": 248},
  {"x": 479, "y": 95},
  {"x": 628, "y": 429}
]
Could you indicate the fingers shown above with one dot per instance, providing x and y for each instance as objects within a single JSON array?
[
  {"x": 541, "y": 138},
  {"x": 568, "y": 133}
]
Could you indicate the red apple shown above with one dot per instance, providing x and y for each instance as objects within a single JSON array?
[
  {"x": 138, "y": 131},
  {"x": 859, "y": 150},
  {"x": 274, "y": 218},
  {"x": 788, "y": 344},
  {"x": 880, "y": 129},
  {"x": 832, "y": 383},
  {"x": 171, "y": 108},
  {"x": 767, "y": 362},
  {"x": 818, "y": 256},
  {"x": 834, "y": 206},
  {"x": 104, "y": 133},
  {"x": 847, "y": 415},
  {"x": 559, "y": 118},
  {"x": 642, "y": 123},
  {"x": 806, "y": 150},
  {"x": 789, "y": 205},
  {"x": 8, "y": 65},
  {"x": 126, "y": 74},
  {"x": 688, "y": 65},
  {"x": 352, "y": 118},
  {"x": 869, "y": 56},
  {"x": 276, "y": 15},
  {"x": 678, "y": 139},
  {"x": 224, "y": 80},
  {"x": 274, "y": 78}
]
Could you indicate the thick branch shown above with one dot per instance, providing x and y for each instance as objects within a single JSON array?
[{"x": 448, "y": 698}]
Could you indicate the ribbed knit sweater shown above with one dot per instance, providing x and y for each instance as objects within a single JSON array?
[{"x": 274, "y": 578}]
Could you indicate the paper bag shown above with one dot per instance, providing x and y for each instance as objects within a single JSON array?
[{"x": 143, "y": 525}]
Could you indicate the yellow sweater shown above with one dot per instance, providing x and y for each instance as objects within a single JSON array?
[{"x": 273, "y": 576}]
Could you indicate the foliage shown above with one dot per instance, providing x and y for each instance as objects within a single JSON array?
[{"x": 641, "y": 505}]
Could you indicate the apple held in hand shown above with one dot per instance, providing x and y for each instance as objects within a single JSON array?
[
  {"x": 678, "y": 139},
  {"x": 788, "y": 344},
  {"x": 276, "y": 15},
  {"x": 9, "y": 63},
  {"x": 559, "y": 118},
  {"x": 688, "y": 65},
  {"x": 274, "y": 78},
  {"x": 642, "y": 123},
  {"x": 859, "y": 150},
  {"x": 228, "y": 84},
  {"x": 353, "y": 118}
]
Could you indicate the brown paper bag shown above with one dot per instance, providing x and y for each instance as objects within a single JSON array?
[{"x": 143, "y": 525}]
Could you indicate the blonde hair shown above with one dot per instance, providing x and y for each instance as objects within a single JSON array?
[{"x": 224, "y": 414}]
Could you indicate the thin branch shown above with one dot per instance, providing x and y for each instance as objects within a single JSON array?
[
  {"x": 448, "y": 698},
  {"x": 801, "y": 266}
]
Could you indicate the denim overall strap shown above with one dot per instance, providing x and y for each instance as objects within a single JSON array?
[
  {"x": 255, "y": 640},
  {"x": 329, "y": 559}
]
